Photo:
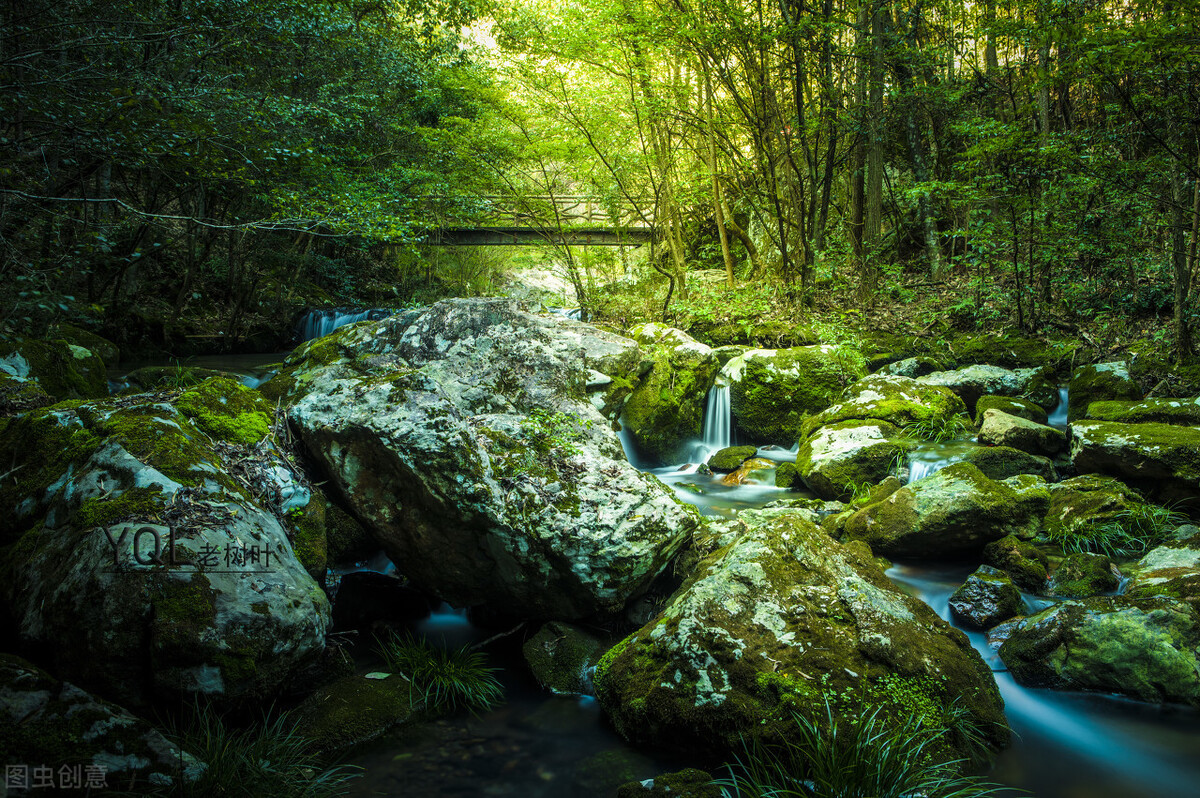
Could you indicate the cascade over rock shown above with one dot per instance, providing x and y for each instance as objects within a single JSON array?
[
  {"x": 666, "y": 409},
  {"x": 780, "y": 618},
  {"x": 463, "y": 436},
  {"x": 149, "y": 550}
]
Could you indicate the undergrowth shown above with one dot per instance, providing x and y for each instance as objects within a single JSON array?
[
  {"x": 443, "y": 679},
  {"x": 1130, "y": 532}
]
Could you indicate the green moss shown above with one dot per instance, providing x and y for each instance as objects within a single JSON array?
[
  {"x": 731, "y": 458},
  {"x": 227, "y": 410},
  {"x": 1185, "y": 412},
  {"x": 1014, "y": 406},
  {"x": 156, "y": 436},
  {"x": 62, "y": 370},
  {"x": 138, "y": 503},
  {"x": 354, "y": 710},
  {"x": 309, "y": 541},
  {"x": 1014, "y": 351},
  {"x": 1104, "y": 381}
]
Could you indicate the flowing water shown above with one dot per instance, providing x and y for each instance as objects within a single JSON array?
[
  {"x": 1058, "y": 416},
  {"x": 319, "y": 323}
]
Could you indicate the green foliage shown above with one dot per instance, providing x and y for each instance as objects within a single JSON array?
[
  {"x": 939, "y": 429},
  {"x": 445, "y": 679},
  {"x": 1130, "y": 532},
  {"x": 268, "y": 758},
  {"x": 858, "y": 758},
  {"x": 553, "y": 432}
]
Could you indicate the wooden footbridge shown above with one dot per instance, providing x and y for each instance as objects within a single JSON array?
[{"x": 547, "y": 219}]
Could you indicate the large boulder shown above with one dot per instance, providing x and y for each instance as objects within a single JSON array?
[
  {"x": 666, "y": 409},
  {"x": 835, "y": 461},
  {"x": 987, "y": 598},
  {"x": 773, "y": 390},
  {"x": 1083, "y": 574},
  {"x": 1002, "y": 462},
  {"x": 1161, "y": 457},
  {"x": 44, "y": 721},
  {"x": 1172, "y": 569},
  {"x": 1098, "y": 382},
  {"x": 1014, "y": 406},
  {"x": 1144, "y": 648},
  {"x": 148, "y": 547},
  {"x": 972, "y": 382},
  {"x": 897, "y": 400},
  {"x": 463, "y": 436},
  {"x": 954, "y": 512},
  {"x": 782, "y": 619},
  {"x": 1184, "y": 412},
  {"x": 1004, "y": 429}
]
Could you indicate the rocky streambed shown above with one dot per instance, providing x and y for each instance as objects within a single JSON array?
[{"x": 176, "y": 542}]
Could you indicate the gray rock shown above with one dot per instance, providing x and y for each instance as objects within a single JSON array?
[
  {"x": 835, "y": 461},
  {"x": 1099, "y": 382},
  {"x": 1002, "y": 429},
  {"x": 972, "y": 382},
  {"x": 987, "y": 598},
  {"x": 463, "y": 437},
  {"x": 1083, "y": 574}
]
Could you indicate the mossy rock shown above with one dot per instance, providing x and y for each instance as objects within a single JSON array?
[
  {"x": 104, "y": 348},
  {"x": 347, "y": 540},
  {"x": 1184, "y": 412},
  {"x": 1082, "y": 502},
  {"x": 731, "y": 458},
  {"x": 778, "y": 621},
  {"x": 150, "y": 378},
  {"x": 787, "y": 475},
  {"x": 773, "y": 391},
  {"x": 1084, "y": 574},
  {"x": 1171, "y": 570},
  {"x": 355, "y": 710},
  {"x": 688, "y": 783},
  {"x": 228, "y": 411},
  {"x": 309, "y": 541},
  {"x": 1024, "y": 562},
  {"x": 1101, "y": 381},
  {"x": 1002, "y": 462},
  {"x": 911, "y": 367},
  {"x": 1013, "y": 405},
  {"x": 20, "y": 396},
  {"x": 61, "y": 369},
  {"x": 837, "y": 460},
  {"x": 1143, "y": 648},
  {"x": 666, "y": 409},
  {"x": 561, "y": 657},
  {"x": 1164, "y": 458},
  {"x": 953, "y": 513},
  {"x": 1014, "y": 351},
  {"x": 896, "y": 400},
  {"x": 976, "y": 381},
  {"x": 999, "y": 428}
]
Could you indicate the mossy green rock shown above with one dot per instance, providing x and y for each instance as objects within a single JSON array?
[
  {"x": 731, "y": 458},
  {"x": 788, "y": 476},
  {"x": 1004, "y": 429},
  {"x": 896, "y": 400},
  {"x": 1013, "y": 405},
  {"x": 911, "y": 367},
  {"x": 836, "y": 460},
  {"x": 561, "y": 657},
  {"x": 972, "y": 382},
  {"x": 21, "y": 395},
  {"x": 777, "y": 621},
  {"x": 150, "y": 556},
  {"x": 1083, "y": 574},
  {"x": 44, "y": 721},
  {"x": 688, "y": 783},
  {"x": 1082, "y": 502},
  {"x": 666, "y": 409},
  {"x": 1171, "y": 570},
  {"x": 1184, "y": 412},
  {"x": 465, "y": 439},
  {"x": 1144, "y": 648},
  {"x": 773, "y": 390},
  {"x": 60, "y": 369},
  {"x": 1098, "y": 382},
  {"x": 355, "y": 709},
  {"x": 987, "y": 598},
  {"x": 1002, "y": 462},
  {"x": 955, "y": 512},
  {"x": 1024, "y": 562},
  {"x": 104, "y": 348},
  {"x": 1014, "y": 351},
  {"x": 1162, "y": 457}
]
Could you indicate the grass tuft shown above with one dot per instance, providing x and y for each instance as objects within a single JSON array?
[
  {"x": 939, "y": 429},
  {"x": 1128, "y": 533},
  {"x": 445, "y": 679}
]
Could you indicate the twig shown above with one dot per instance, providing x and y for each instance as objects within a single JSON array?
[{"x": 496, "y": 637}]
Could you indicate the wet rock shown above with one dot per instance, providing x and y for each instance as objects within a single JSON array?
[
  {"x": 47, "y": 722},
  {"x": 1098, "y": 382},
  {"x": 955, "y": 512},
  {"x": 1144, "y": 648},
  {"x": 105, "y": 349},
  {"x": 836, "y": 460},
  {"x": 150, "y": 546},
  {"x": 666, "y": 409},
  {"x": 1024, "y": 562},
  {"x": 354, "y": 710},
  {"x": 1165, "y": 457},
  {"x": 561, "y": 657},
  {"x": 689, "y": 783},
  {"x": 747, "y": 470},
  {"x": 731, "y": 458},
  {"x": 1013, "y": 406},
  {"x": 1171, "y": 570},
  {"x": 1083, "y": 574},
  {"x": 1002, "y": 429},
  {"x": 972, "y": 382},
  {"x": 985, "y": 599},
  {"x": 462, "y": 435},
  {"x": 1003, "y": 462},
  {"x": 788, "y": 476},
  {"x": 896, "y": 400},
  {"x": 773, "y": 390},
  {"x": 781, "y": 617}
]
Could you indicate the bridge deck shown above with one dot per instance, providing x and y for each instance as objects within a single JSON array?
[{"x": 532, "y": 236}]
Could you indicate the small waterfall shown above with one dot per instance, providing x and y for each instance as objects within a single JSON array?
[
  {"x": 319, "y": 323},
  {"x": 929, "y": 458},
  {"x": 1058, "y": 416},
  {"x": 717, "y": 430}
]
